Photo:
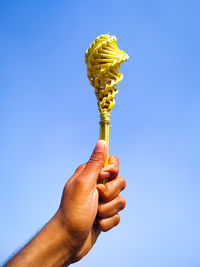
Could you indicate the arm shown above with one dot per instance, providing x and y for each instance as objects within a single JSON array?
[
  {"x": 86, "y": 209},
  {"x": 47, "y": 248}
]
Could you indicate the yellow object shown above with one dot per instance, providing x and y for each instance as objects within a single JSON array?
[{"x": 103, "y": 59}]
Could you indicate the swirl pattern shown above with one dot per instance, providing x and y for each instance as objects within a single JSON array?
[{"x": 103, "y": 59}]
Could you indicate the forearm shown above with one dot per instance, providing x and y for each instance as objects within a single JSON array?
[{"x": 47, "y": 248}]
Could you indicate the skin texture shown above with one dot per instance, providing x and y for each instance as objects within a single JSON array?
[{"x": 86, "y": 209}]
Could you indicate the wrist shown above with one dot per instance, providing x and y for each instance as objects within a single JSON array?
[
  {"x": 71, "y": 244},
  {"x": 60, "y": 231},
  {"x": 47, "y": 248}
]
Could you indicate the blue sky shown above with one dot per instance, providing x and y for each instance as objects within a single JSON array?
[{"x": 49, "y": 123}]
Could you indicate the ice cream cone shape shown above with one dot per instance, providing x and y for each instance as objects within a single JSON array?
[{"x": 103, "y": 59}]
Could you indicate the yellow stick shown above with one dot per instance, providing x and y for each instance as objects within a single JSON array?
[
  {"x": 103, "y": 59},
  {"x": 104, "y": 134}
]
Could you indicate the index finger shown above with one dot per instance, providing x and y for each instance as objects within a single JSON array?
[
  {"x": 111, "y": 190},
  {"x": 111, "y": 170}
]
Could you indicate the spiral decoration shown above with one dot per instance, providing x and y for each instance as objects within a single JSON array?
[{"x": 103, "y": 59}]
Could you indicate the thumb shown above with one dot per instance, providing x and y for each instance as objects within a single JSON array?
[{"x": 96, "y": 162}]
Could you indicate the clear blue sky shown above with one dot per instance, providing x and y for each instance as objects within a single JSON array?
[{"x": 49, "y": 123}]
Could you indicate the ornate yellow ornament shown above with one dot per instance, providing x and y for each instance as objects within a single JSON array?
[{"x": 103, "y": 59}]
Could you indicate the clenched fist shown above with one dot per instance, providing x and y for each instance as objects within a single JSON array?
[{"x": 86, "y": 209}]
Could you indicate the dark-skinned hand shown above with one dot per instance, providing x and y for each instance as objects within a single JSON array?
[{"x": 87, "y": 208}]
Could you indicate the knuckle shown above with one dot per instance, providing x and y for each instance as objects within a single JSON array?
[
  {"x": 115, "y": 166},
  {"x": 115, "y": 170},
  {"x": 102, "y": 226},
  {"x": 105, "y": 226},
  {"x": 68, "y": 189},
  {"x": 122, "y": 183},
  {"x": 100, "y": 210},
  {"x": 122, "y": 203},
  {"x": 80, "y": 168},
  {"x": 116, "y": 220},
  {"x": 79, "y": 183},
  {"x": 107, "y": 193},
  {"x": 115, "y": 160},
  {"x": 97, "y": 158}
]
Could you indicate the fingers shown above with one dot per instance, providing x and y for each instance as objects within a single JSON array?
[
  {"x": 108, "y": 223},
  {"x": 106, "y": 210},
  {"x": 107, "y": 215},
  {"x": 111, "y": 190},
  {"x": 111, "y": 170},
  {"x": 95, "y": 164}
]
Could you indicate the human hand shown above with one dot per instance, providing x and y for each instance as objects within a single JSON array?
[{"x": 87, "y": 208}]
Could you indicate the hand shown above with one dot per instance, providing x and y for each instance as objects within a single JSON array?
[{"x": 87, "y": 208}]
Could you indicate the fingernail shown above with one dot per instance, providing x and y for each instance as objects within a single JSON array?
[{"x": 100, "y": 146}]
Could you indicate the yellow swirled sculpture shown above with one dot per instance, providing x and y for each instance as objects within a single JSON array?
[{"x": 103, "y": 59}]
